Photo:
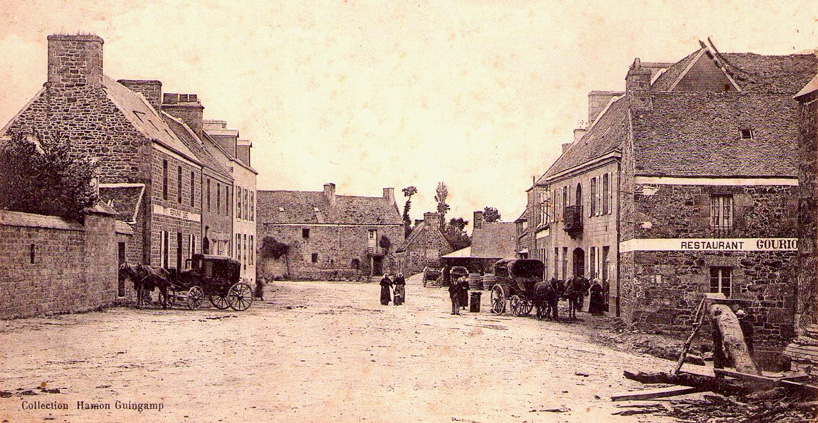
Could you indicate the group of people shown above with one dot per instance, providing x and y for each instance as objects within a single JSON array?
[
  {"x": 459, "y": 294},
  {"x": 399, "y": 289}
]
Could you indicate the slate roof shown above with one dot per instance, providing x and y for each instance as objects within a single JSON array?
[
  {"x": 189, "y": 138},
  {"x": 697, "y": 134},
  {"x": 417, "y": 231},
  {"x": 604, "y": 137},
  {"x": 808, "y": 89},
  {"x": 756, "y": 73},
  {"x": 300, "y": 208},
  {"x": 123, "y": 198},
  {"x": 144, "y": 118},
  {"x": 666, "y": 80},
  {"x": 494, "y": 240}
]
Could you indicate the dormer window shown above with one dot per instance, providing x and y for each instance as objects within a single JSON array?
[
  {"x": 315, "y": 209},
  {"x": 281, "y": 209},
  {"x": 746, "y": 133}
]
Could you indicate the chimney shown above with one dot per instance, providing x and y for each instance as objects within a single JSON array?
[
  {"x": 389, "y": 194},
  {"x": 578, "y": 133},
  {"x": 243, "y": 151},
  {"x": 478, "y": 220},
  {"x": 74, "y": 61},
  {"x": 185, "y": 107},
  {"x": 597, "y": 100},
  {"x": 565, "y": 147},
  {"x": 637, "y": 85},
  {"x": 431, "y": 219},
  {"x": 329, "y": 192},
  {"x": 151, "y": 89}
]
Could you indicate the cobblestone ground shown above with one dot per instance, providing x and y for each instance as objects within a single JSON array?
[{"x": 313, "y": 352}]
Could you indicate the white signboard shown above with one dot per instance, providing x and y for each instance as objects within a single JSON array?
[
  {"x": 710, "y": 244},
  {"x": 179, "y": 214}
]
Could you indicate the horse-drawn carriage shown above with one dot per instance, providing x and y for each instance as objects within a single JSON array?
[
  {"x": 216, "y": 278},
  {"x": 515, "y": 284}
]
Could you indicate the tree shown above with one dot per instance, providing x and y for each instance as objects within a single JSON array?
[
  {"x": 441, "y": 193},
  {"x": 44, "y": 176},
  {"x": 491, "y": 214},
  {"x": 407, "y": 221},
  {"x": 455, "y": 233},
  {"x": 272, "y": 248},
  {"x": 385, "y": 242}
]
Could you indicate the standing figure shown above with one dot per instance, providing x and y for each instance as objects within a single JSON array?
[
  {"x": 260, "y": 289},
  {"x": 454, "y": 295},
  {"x": 464, "y": 293},
  {"x": 400, "y": 289},
  {"x": 386, "y": 293},
  {"x": 596, "y": 303}
]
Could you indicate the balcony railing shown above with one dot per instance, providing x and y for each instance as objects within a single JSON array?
[{"x": 573, "y": 220}]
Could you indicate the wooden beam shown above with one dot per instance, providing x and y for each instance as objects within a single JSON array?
[
  {"x": 671, "y": 391},
  {"x": 760, "y": 382}
]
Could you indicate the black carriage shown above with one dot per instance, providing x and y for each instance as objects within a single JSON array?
[
  {"x": 216, "y": 278},
  {"x": 515, "y": 285}
]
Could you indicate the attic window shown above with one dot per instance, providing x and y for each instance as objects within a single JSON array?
[
  {"x": 315, "y": 209},
  {"x": 281, "y": 209},
  {"x": 746, "y": 133},
  {"x": 305, "y": 233}
]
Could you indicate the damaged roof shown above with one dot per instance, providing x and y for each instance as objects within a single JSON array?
[{"x": 313, "y": 207}]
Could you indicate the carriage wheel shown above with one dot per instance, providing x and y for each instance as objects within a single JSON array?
[
  {"x": 219, "y": 302},
  {"x": 240, "y": 296},
  {"x": 515, "y": 303},
  {"x": 195, "y": 295},
  {"x": 498, "y": 300},
  {"x": 527, "y": 307}
]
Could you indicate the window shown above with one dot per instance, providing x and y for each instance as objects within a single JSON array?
[
  {"x": 238, "y": 203},
  {"x": 592, "y": 208},
  {"x": 244, "y": 262},
  {"x": 746, "y": 133},
  {"x": 179, "y": 250},
  {"x": 565, "y": 262},
  {"x": 605, "y": 263},
  {"x": 553, "y": 205},
  {"x": 252, "y": 208},
  {"x": 192, "y": 189},
  {"x": 373, "y": 234},
  {"x": 305, "y": 233},
  {"x": 592, "y": 263},
  {"x": 315, "y": 257},
  {"x": 238, "y": 247},
  {"x": 218, "y": 198},
  {"x": 556, "y": 261},
  {"x": 164, "y": 179},
  {"x": 721, "y": 214},
  {"x": 191, "y": 248},
  {"x": 605, "y": 194},
  {"x": 227, "y": 200},
  {"x": 163, "y": 250},
  {"x": 251, "y": 257},
  {"x": 208, "y": 195},
  {"x": 720, "y": 280},
  {"x": 565, "y": 199},
  {"x": 179, "y": 185},
  {"x": 246, "y": 215}
]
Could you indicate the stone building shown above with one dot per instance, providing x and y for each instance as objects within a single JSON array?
[
  {"x": 804, "y": 349},
  {"x": 684, "y": 184},
  {"x": 234, "y": 153},
  {"x": 330, "y": 236},
  {"x": 424, "y": 246},
  {"x": 142, "y": 162},
  {"x": 490, "y": 242}
]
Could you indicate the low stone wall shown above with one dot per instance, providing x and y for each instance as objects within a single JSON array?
[{"x": 49, "y": 265}]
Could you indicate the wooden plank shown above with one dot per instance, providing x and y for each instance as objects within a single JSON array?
[
  {"x": 671, "y": 391},
  {"x": 757, "y": 380}
]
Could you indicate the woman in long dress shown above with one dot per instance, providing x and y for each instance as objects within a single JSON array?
[
  {"x": 400, "y": 289},
  {"x": 596, "y": 302},
  {"x": 386, "y": 294}
]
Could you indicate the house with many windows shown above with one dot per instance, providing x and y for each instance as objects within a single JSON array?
[
  {"x": 682, "y": 185},
  {"x": 329, "y": 236}
]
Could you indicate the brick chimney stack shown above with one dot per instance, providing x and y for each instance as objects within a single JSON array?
[
  {"x": 74, "y": 61},
  {"x": 478, "y": 220},
  {"x": 637, "y": 85},
  {"x": 431, "y": 219},
  {"x": 186, "y": 107},
  {"x": 151, "y": 89},
  {"x": 329, "y": 192}
]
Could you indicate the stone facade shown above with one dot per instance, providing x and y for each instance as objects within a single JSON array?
[
  {"x": 806, "y": 313},
  {"x": 423, "y": 247},
  {"x": 50, "y": 265}
]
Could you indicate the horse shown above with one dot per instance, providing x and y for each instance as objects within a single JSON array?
[
  {"x": 546, "y": 298},
  {"x": 145, "y": 279},
  {"x": 575, "y": 294}
]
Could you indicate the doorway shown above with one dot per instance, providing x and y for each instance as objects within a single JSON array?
[
  {"x": 579, "y": 262},
  {"x": 377, "y": 266}
]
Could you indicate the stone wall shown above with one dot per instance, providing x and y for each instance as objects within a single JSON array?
[
  {"x": 50, "y": 265},
  {"x": 336, "y": 246},
  {"x": 806, "y": 313},
  {"x": 424, "y": 251}
]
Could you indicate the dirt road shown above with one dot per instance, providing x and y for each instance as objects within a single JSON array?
[{"x": 312, "y": 352}]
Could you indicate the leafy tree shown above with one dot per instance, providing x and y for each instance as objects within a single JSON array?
[
  {"x": 44, "y": 176},
  {"x": 441, "y": 193},
  {"x": 491, "y": 214},
  {"x": 385, "y": 242},
  {"x": 455, "y": 233},
  {"x": 271, "y": 247},
  {"x": 408, "y": 192}
]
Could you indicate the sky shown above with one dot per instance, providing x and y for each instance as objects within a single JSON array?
[{"x": 477, "y": 94}]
